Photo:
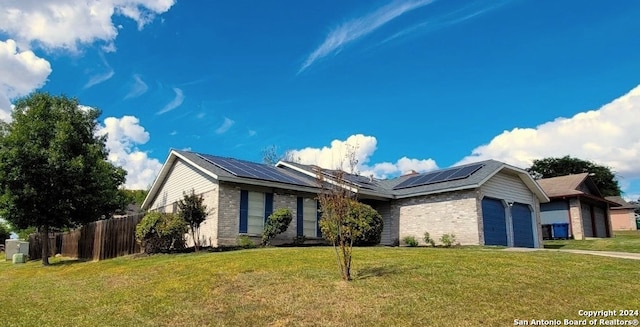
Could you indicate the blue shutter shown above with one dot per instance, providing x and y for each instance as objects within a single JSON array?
[
  {"x": 318, "y": 217},
  {"x": 244, "y": 210},
  {"x": 268, "y": 205},
  {"x": 299, "y": 217}
]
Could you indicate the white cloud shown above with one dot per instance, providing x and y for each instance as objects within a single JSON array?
[
  {"x": 252, "y": 132},
  {"x": 469, "y": 11},
  {"x": 123, "y": 136},
  {"x": 226, "y": 125},
  {"x": 363, "y": 147},
  {"x": 138, "y": 88},
  {"x": 106, "y": 74},
  {"x": 67, "y": 23},
  {"x": 175, "y": 103},
  {"x": 608, "y": 136},
  {"x": 20, "y": 73},
  {"x": 359, "y": 27}
]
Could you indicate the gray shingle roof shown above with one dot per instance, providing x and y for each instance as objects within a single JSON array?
[
  {"x": 619, "y": 200},
  {"x": 366, "y": 186}
]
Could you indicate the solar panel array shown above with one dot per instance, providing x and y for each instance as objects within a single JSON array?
[
  {"x": 440, "y": 176},
  {"x": 253, "y": 170}
]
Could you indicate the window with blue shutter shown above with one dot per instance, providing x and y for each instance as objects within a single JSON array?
[
  {"x": 299, "y": 217},
  {"x": 318, "y": 217},
  {"x": 244, "y": 210},
  {"x": 268, "y": 205}
]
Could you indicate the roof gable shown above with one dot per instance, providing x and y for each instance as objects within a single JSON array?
[{"x": 569, "y": 185}]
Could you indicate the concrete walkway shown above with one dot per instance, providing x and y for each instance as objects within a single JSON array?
[{"x": 612, "y": 254}]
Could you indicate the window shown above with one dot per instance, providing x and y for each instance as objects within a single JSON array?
[
  {"x": 310, "y": 217},
  {"x": 255, "y": 215},
  {"x": 307, "y": 217},
  {"x": 254, "y": 207}
]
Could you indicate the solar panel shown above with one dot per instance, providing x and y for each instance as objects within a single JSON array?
[
  {"x": 440, "y": 176},
  {"x": 465, "y": 172},
  {"x": 253, "y": 170}
]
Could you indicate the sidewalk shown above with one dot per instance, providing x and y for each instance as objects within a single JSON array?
[{"x": 612, "y": 254}]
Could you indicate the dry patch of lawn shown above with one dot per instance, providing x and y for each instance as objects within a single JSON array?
[{"x": 301, "y": 287}]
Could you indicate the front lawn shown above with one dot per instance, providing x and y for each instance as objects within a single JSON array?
[
  {"x": 623, "y": 241},
  {"x": 301, "y": 287}
]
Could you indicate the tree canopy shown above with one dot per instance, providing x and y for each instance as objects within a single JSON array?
[
  {"x": 53, "y": 167},
  {"x": 602, "y": 176}
]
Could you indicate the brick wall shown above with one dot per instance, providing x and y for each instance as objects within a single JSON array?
[
  {"x": 576, "y": 219},
  {"x": 446, "y": 213},
  {"x": 228, "y": 214}
]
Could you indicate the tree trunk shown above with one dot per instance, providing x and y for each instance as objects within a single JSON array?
[
  {"x": 44, "y": 239},
  {"x": 195, "y": 240}
]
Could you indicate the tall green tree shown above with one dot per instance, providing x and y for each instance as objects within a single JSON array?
[
  {"x": 54, "y": 171},
  {"x": 5, "y": 232},
  {"x": 602, "y": 176}
]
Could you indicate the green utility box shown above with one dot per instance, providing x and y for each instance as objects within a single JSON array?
[{"x": 19, "y": 258}]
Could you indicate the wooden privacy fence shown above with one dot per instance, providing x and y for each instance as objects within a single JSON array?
[{"x": 99, "y": 240}]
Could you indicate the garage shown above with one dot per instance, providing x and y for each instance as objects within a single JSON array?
[
  {"x": 587, "y": 222},
  {"x": 522, "y": 226},
  {"x": 600, "y": 222},
  {"x": 494, "y": 222}
]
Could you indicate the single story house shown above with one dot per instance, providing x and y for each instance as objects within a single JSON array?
[
  {"x": 576, "y": 200},
  {"x": 624, "y": 216},
  {"x": 484, "y": 203}
]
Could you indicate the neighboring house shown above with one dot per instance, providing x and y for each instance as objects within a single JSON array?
[
  {"x": 576, "y": 200},
  {"x": 487, "y": 202},
  {"x": 622, "y": 217}
]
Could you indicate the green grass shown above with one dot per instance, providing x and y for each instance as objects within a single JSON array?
[
  {"x": 300, "y": 287},
  {"x": 623, "y": 241}
]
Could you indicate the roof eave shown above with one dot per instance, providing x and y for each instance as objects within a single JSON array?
[
  {"x": 451, "y": 189},
  {"x": 173, "y": 156}
]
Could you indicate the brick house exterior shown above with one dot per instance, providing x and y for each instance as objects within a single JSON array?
[{"x": 450, "y": 206}]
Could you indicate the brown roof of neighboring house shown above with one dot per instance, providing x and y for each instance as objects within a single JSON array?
[
  {"x": 619, "y": 200},
  {"x": 568, "y": 186},
  {"x": 563, "y": 185}
]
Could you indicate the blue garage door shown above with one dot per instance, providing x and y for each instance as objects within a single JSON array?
[
  {"x": 522, "y": 226},
  {"x": 494, "y": 222}
]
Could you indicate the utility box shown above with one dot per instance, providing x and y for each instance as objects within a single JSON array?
[
  {"x": 19, "y": 258},
  {"x": 12, "y": 247}
]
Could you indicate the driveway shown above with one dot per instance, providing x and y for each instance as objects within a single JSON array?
[{"x": 612, "y": 254}]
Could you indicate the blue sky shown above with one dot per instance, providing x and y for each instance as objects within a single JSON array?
[{"x": 412, "y": 84}]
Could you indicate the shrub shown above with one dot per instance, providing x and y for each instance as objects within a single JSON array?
[
  {"x": 159, "y": 232},
  {"x": 448, "y": 240},
  {"x": 410, "y": 241},
  {"x": 369, "y": 222},
  {"x": 299, "y": 240},
  {"x": 245, "y": 242},
  {"x": 428, "y": 240},
  {"x": 192, "y": 210},
  {"x": 277, "y": 223}
]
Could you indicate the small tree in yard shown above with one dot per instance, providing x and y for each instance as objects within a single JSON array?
[
  {"x": 339, "y": 223},
  {"x": 192, "y": 210},
  {"x": 277, "y": 223}
]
